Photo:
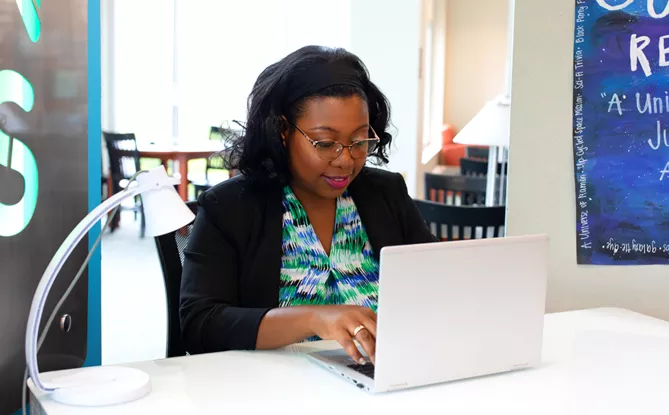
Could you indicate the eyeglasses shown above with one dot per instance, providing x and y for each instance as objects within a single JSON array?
[{"x": 330, "y": 150}]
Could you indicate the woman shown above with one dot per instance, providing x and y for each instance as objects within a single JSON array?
[{"x": 289, "y": 250}]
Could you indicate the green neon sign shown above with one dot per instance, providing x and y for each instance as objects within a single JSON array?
[
  {"x": 14, "y": 154},
  {"x": 31, "y": 21}
]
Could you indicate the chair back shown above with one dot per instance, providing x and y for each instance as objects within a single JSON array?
[
  {"x": 215, "y": 133},
  {"x": 476, "y": 167},
  {"x": 477, "y": 152},
  {"x": 453, "y": 223},
  {"x": 473, "y": 167},
  {"x": 171, "y": 253},
  {"x": 123, "y": 157},
  {"x": 455, "y": 190}
]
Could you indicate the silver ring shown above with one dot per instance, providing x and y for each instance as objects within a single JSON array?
[{"x": 357, "y": 330}]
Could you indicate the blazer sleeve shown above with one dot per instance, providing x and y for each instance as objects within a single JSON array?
[
  {"x": 414, "y": 228},
  {"x": 211, "y": 316}
]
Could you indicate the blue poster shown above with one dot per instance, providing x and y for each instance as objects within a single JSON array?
[{"x": 621, "y": 131}]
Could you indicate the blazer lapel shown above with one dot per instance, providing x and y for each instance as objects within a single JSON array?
[
  {"x": 379, "y": 222},
  {"x": 265, "y": 254},
  {"x": 274, "y": 240}
]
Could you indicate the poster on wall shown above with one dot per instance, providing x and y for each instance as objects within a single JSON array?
[{"x": 621, "y": 131}]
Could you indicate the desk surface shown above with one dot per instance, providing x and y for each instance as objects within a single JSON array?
[{"x": 601, "y": 361}]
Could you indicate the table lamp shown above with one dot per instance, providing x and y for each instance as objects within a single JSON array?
[
  {"x": 490, "y": 126},
  {"x": 97, "y": 386}
]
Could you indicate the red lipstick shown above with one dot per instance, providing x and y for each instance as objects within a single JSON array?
[{"x": 337, "y": 182}]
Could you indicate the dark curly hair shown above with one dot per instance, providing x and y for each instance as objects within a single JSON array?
[{"x": 259, "y": 153}]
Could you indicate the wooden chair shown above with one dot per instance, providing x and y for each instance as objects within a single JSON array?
[
  {"x": 455, "y": 190},
  {"x": 171, "y": 253},
  {"x": 477, "y": 152},
  {"x": 123, "y": 163},
  {"x": 473, "y": 167},
  {"x": 453, "y": 223},
  {"x": 476, "y": 167}
]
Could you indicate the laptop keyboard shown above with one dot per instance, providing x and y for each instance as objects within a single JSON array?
[{"x": 366, "y": 369}]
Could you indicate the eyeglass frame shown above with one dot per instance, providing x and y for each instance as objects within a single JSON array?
[{"x": 314, "y": 143}]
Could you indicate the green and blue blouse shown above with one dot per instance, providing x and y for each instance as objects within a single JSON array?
[{"x": 348, "y": 276}]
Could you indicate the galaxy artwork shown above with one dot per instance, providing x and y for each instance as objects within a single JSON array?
[{"x": 621, "y": 131}]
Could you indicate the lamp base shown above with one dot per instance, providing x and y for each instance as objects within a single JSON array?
[{"x": 100, "y": 386}]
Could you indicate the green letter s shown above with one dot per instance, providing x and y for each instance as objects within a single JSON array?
[
  {"x": 30, "y": 18},
  {"x": 15, "y": 155}
]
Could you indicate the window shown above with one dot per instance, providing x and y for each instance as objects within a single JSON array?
[
  {"x": 177, "y": 67},
  {"x": 221, "y": 49},
  {"x": 433, "y": 59},
  {"x": 138, "y": 60}
]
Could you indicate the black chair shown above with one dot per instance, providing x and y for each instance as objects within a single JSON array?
[
  {"x": 476, "y": 167},
  {"x": 473, "y": 167},
  {"x": 123, "y": 163},
  {"x": 453, "y": 223},
  {"x": 455, "y": 190},
  {"x": 171, "y": 253},
  {"x": 477, "y": 152},
  {"x": 216, "y": 161}
]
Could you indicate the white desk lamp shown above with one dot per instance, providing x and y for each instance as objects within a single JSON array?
[
  {"x": 97, "y": 386},
  {"x": 491, "y": 126}
]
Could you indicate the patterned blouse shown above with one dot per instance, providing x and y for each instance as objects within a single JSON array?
[{"x": 350, "y": 275}]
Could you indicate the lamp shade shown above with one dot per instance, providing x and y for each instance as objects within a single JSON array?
[
  {"x": 164, "y": 211},
  {"x": 490, "y": 127}
]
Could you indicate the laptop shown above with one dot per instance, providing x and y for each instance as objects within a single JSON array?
[{"x": 453, "y": 310}]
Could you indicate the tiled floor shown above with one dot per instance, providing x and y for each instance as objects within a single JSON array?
[{"x": 133, "y": 296}]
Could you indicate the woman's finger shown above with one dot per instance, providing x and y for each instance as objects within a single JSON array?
[
  {"x": 343, "y": 337},
  {"x": 369, "y": 325},
  {"x": 368, "y": 312},
  {"x": 368, "y": 342}
]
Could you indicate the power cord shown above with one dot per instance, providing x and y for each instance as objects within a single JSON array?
[{"x": 54, "y": 313}]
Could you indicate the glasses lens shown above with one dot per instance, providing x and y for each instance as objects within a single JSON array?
[
  {"x": 363, "y": 148},
  {"x": 373, "y": 145},
  {"x": 328, "y": 150}
]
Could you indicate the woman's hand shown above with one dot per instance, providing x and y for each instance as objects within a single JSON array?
[{"x": 340, "y": 322}]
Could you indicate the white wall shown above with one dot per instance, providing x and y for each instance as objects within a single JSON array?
[
  {"x": 541, "y": 179},
  {"x": 476, "y": 52}
]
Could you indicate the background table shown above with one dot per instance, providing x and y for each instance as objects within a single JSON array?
[
  {"x": 180, "y": 153},
  {"x": 447, "y": 170},
  {"x": 602, "y": 361}
]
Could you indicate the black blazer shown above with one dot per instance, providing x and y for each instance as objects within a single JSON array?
[{"x": 232, "y": 263}]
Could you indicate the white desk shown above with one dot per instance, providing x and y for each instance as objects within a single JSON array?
[{"x": 603, "y": 361}]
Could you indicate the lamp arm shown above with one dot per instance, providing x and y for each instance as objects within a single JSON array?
[{"x": 52, "y": 270}]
